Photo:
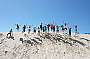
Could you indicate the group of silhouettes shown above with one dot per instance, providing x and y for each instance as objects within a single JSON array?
[{"x": 45, "y": 28}]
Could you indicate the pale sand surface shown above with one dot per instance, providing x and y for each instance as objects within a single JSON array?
[{"x": 44, "y": 46}]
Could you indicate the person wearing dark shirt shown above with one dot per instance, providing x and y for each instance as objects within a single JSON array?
[
  {"x": 10, "y": 32},
  {"x": 24, "y": 28},
  {"x": 29, "y": 29},
  {"x": 70, "y": 31},
  {"x": 48, "y": 27},
  {"x": 53, "y": 28},
  {"x": 41, "y": 26},
  {"x": 57, "y": 28},
  {"x": 76, "y": 29},
  {"x": 45, "y": 28},
  {"x": 34, "y": 29},
  {"x": 17, "y": 26}
]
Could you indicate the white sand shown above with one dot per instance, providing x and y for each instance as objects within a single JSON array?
[{"x": 76, "y": 47}]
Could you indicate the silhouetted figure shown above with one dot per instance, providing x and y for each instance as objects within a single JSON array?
[
  {"x": 70, "y": 31},
  {"x": 34, "y": 29},
  {"x": 38, "y": 30},
  {"x": 17, "y": 26},
  {"x": 45, "y": 28},
  {"x": 48, "y": 27},
  {"x": 24, "y": 28},
  {"x": 51, "y": 25},
  {"x": 57, "y": 28},
  {"x": 64, "y": 27},
  {"x": 29, "y": 29},
  {"x": 10, "y": 33},
  {"x": 53, "y": 28},
  {"x": 41, "y": 26},
  {"x": 76, "y": 29}
]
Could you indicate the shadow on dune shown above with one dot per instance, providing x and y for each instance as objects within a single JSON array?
[
  {"x": 52, "y": 37},
  {"x": 85, "y": 39},
  {"x": 38, "y": 38},
  {"x": 25, "y": 41},
  {"x": 67, "y": 42},
  {"x": 1, "y": 34},
  {"x": 81, "y": 43},
  {"x": 59, "y": 38},
  {"x": 35, "y": 41},
  {"x": 10, "y": 37}
]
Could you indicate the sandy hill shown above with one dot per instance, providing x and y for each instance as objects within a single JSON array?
[{"x": 44, "y": 46}]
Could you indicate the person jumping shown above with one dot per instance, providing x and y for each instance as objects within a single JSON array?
[{"x": 17, "y": 26}]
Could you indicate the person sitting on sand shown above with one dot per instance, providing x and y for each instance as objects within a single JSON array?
[{"x": 10, "y": 33}]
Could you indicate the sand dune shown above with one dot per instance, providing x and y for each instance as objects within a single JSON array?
[{"x": 44, "y": 46}]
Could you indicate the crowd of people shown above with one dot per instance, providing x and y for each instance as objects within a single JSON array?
[{"x": 46, "y": 28}]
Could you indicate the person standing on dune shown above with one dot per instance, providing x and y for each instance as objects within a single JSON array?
[
  {"x": 29, "y": 29},
  {"x": 41, "y": 27},
  {"x": 63, "y": 27},
  {"x": 38, "y": 30},
  {"x": 48, "y": 27},
  {"x": 45, "y": 28},
  {"x": 24, "y": 28},
  {"x": 76, "y": 29},
  {"x": 57, "y": 28},
  {"x": 53, "y": 28},
  {"x": 51, "y": 25},
  {"x": 34, "y": 29},
  {"x": 70, "y": 31}
]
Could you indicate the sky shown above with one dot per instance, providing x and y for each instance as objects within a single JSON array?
[{"x": 33, "y": 12}]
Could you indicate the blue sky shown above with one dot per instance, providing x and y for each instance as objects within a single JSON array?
[{"x": 34, "y": 12}]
